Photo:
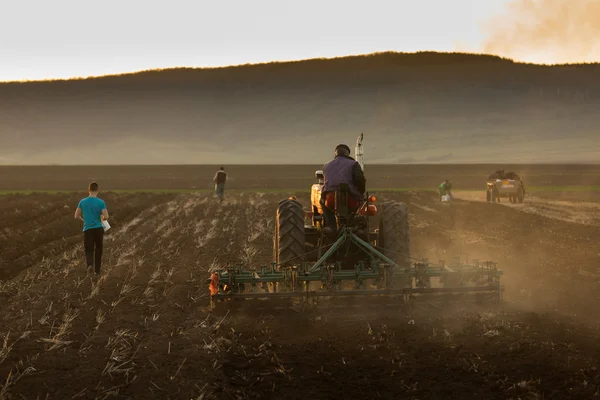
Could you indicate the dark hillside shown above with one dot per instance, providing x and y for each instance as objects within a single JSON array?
[{"x": 424, "y": 107}]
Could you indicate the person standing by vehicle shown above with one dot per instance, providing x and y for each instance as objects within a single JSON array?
[
  {"x": 92, "y": 211},
  {"x": 220, "y": 179},
  {"x": 446, "y": 188}
]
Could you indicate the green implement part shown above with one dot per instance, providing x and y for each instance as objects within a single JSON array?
[{"x": 382, "y": 277}]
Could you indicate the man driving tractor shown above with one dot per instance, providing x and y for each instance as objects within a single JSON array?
[{"x": 342, "y": 169}]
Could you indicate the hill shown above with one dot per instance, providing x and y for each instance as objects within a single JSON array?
[{"x": 413, "y": 108}]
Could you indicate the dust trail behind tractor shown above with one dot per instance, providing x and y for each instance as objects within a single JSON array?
[{"x": 313, "y": 265}]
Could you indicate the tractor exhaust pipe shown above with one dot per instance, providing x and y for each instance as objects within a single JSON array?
[{"x": 358, "y": 152}]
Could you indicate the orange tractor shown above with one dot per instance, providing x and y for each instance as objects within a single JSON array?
[{"x": 369, "y": 255}]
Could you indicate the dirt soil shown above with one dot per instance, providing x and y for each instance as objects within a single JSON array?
[{"x": 143, "y": 330}]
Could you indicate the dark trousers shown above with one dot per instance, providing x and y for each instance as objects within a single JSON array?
[
  {"x": 329, "y": 215},
  {"x": 92, "y": 242}
]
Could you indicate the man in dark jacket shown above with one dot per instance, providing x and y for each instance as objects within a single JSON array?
[
  {"x": 220, "y": 179},
  {"x": 342, "y": 169}
]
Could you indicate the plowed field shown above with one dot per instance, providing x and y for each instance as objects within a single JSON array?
[{"x": 144, "y": 331}]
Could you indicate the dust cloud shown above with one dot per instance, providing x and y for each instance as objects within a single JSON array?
[{"x": 547, "y": 31}]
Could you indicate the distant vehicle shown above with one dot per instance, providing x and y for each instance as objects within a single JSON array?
[{"x": 507, "y": 185}]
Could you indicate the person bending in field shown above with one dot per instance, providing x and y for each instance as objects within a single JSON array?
[
  {"x": 92, "y": 211},
  {"x": 220, "y": 179},
  {"x": 446, "y": 188}
]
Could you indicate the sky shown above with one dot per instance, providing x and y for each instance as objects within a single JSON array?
[{"x": 65, "y": 38}]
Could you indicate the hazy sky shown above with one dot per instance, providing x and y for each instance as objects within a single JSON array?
[{"x": 65, "y": 38}]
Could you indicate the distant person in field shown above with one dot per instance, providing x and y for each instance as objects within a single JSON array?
[
  {"x": 92, "y": 211},
  {"x": 446, "y": 188},
  {"x": 511, "y": 175},
  {"x": 497, "y": 175},
  {"x": 220, "y": 179}
]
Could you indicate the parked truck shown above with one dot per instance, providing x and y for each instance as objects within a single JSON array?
[{"x": 505, "y": 185}]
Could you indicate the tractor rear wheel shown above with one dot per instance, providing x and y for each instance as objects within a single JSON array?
[
  {"x": 289, "y": 240},
  {"x": 394, "y": 234}
]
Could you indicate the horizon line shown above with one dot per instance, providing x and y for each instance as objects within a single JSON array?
[
  {"x": 292, "y": 61},
  {"x": 226, "y": 165}
]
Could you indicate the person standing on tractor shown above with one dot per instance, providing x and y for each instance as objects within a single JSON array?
[
  {"x": 92, "y": 211},
  {"x": 342, "y": 169},
  {"x": 220, "y": 179},
  {"x": 446, "y": 188},
  {"x": 497, "y": 175}
]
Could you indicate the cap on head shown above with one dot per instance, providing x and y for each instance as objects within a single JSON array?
[
  {"x": 342, "y": 150},
  {"x": 93, "y": 187}
]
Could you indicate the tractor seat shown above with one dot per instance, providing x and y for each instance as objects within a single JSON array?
[
  {"x": 343, "y": 204},
  {"x": 330, "y": 202}
]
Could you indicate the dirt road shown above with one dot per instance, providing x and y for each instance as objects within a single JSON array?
[
  {"x": 144, "y": 331},
  {"x": 574, "y": 208}
]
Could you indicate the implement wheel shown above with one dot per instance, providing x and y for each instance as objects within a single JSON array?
[{"x": 289, "y": 240}]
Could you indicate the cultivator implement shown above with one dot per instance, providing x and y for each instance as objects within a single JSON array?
[{"x": 374, "y": 275}]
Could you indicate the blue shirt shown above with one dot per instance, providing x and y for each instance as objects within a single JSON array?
[{"x": 91, "y": 208}]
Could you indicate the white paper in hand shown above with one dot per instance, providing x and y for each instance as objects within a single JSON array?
[{"x": 105, "y": 225}]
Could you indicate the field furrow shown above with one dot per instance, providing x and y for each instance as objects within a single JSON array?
[{"x": 143, "y": 330}]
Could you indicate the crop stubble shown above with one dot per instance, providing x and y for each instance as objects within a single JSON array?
[{"x": 143, "y": 330}]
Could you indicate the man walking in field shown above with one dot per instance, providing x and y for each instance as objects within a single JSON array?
[
  {"x": 220, "y": 179},
  {"x": 92, "y": 211}
]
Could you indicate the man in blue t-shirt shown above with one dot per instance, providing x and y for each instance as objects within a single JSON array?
[{"x": 94, "y": 211}]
